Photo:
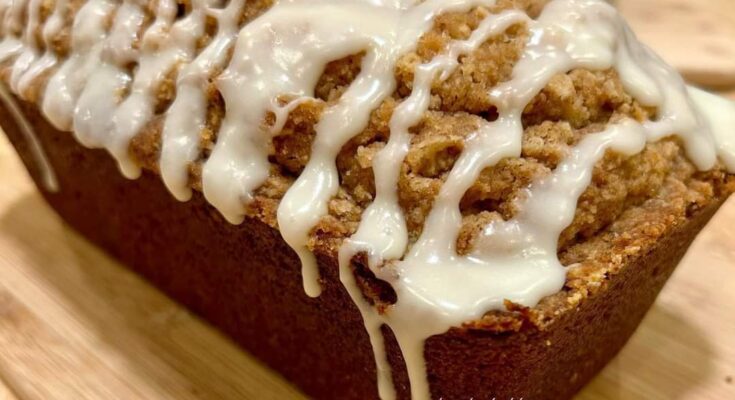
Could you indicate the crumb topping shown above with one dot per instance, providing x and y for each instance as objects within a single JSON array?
[{"x": 631, "y": 203}]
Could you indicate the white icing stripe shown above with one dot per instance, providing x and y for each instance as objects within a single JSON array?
[
  {"x": 87, "y": 41},
  {"x": 284, "y": 52},
  {"x": 173, "y": 43},
  {"x": 10, "y": 14},
  {"x": 104, "y": 88},
  {"x": 30, "y": 53},
  {"x": 186, "y": 118},
  {"x": 720, "y": 115}
]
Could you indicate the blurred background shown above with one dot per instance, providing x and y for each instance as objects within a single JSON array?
[{"x": 696, "y": 36}]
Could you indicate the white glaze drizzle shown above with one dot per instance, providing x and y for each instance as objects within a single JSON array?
[
  {"x": 186, "y": 118},
  {"x": 283, "y": 52},
  {"x": 106, "y": 85},
  {"x": 11, "y": 13},
  {"x": 22, "y": 80},
  {"x": 515, "y": 260},
  {"x": 29, "y": 54},
  {"x": 719, "y": 113},
  {"x": 165, "y": 44},
  {"x": 88, "y": 34}
]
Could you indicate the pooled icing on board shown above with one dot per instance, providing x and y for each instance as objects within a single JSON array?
[{"x": 94, "y": 93}]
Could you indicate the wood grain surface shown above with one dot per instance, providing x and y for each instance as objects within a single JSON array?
[
  {"x": 697, "y": 36},
  {"x": 74, "y": 324}
]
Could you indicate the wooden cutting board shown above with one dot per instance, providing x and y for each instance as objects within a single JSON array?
[
  {"x": 75, "y": 324},
  {"x": 697, "y": 36}
]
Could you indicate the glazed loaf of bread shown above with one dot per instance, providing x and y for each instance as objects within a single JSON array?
[{"x": 386, "y": 199}]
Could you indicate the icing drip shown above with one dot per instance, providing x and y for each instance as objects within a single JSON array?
[
  {"x": 106, "y": 85},
  {"x": 719, "y": 113},
  {"x": 382, "y": 232},
  {"x": 186, "y": 118},
  {"x": 284, "y": 52},
  {"x": 87, "y": 41},
  {"x": 23, "y": 80},
  {"x": 105, "y": 92},
  {"x": 11, "y": 13},
  {"x": 165, "y": 44},
  {"x": 48, "y": 177}
]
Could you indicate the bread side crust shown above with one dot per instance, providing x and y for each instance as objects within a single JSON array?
[{"x": 246, "y": 281}]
